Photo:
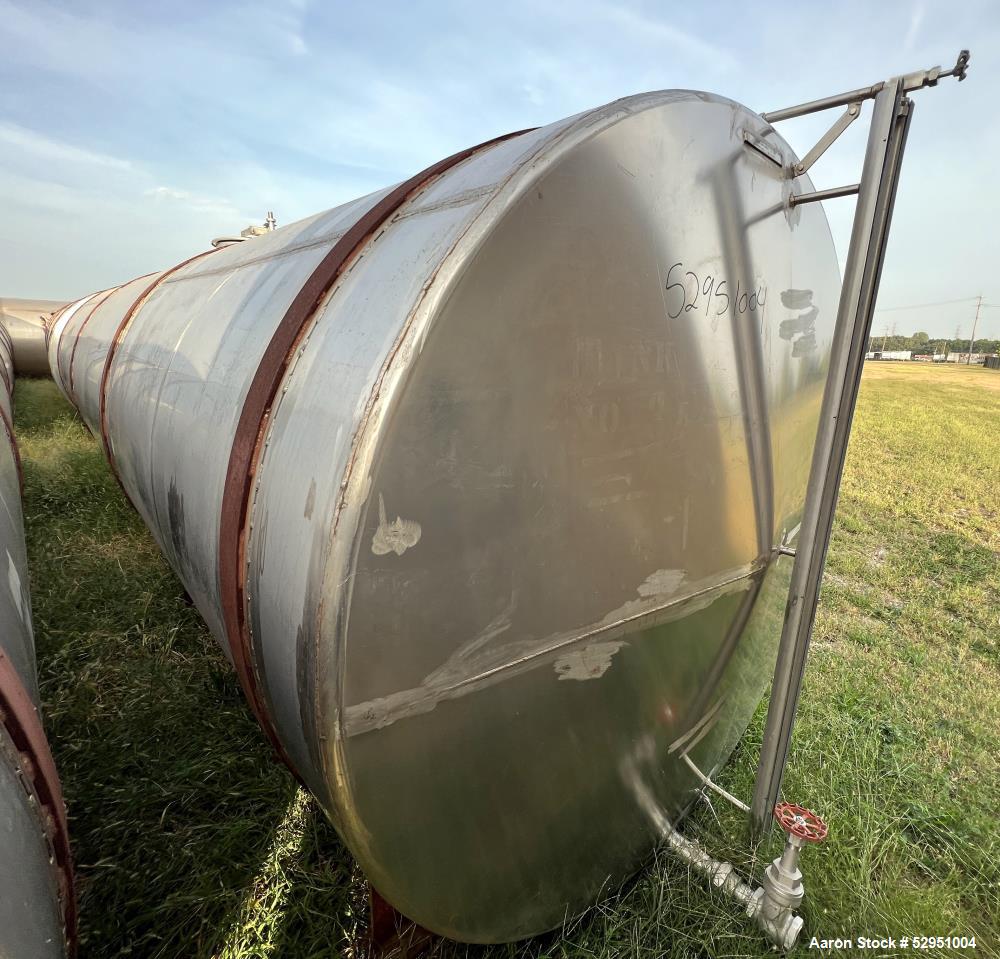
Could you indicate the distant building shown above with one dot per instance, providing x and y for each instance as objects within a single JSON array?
[
  {"x": 889, "y": 355},
  {"x": 964, "y": 358}
]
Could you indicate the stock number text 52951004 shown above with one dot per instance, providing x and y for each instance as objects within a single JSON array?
[{"x": 688, "y": 292}]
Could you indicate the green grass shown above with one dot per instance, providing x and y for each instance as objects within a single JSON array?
[{"x": 190, "y": 841}]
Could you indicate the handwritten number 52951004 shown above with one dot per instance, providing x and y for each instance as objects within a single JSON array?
[{"x": 709, "y": 292}]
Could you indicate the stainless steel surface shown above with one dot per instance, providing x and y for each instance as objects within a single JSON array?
[
  {"x": 71, "y": 335},
  {"x": 30, "y": 917},
  {"x": 512, "y": 548},
  {"x": 782, "y": 890},
  {"x": 83, "y": 348},
  {"x": 24, "y": 322},
  {"x": 890, "y": 121},
  {"x": 16, "y": 640},
  {"x": 34, "y": 867},
  {"x": 55, "y": 330},
  {"x": 6, "y": 374},
  {"x": 796, "y": 199},
  {"x": 715, "y": 787},
  {"x": 772, "y": 906},
  {"x": 824, "y": 143}
]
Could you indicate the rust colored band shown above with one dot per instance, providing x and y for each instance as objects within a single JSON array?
[
  {"x": 9, "y": 427},
  {"x": 63, "y": 378},
  {"x": 3, "y": 366},
  {"x": 109, "y": 359},
  {"x": 245, "y": 453},
  {"x": 100, "y": 298},
  {"x": 7, "y": 377},
  {"x": 53, "y": 318},
  {"x": 20, "y": 719}
]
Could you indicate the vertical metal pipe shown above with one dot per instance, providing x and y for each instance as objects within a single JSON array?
[
  {"x": 975, "y": 323},
  {"x": 890, "y": 122}
]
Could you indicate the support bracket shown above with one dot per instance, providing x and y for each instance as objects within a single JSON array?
[
  {"x": 891, "y": 116},
  {"x": 824, "y": 143}
]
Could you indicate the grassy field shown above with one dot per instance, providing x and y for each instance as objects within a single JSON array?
[{"x": 190, "y": 841}]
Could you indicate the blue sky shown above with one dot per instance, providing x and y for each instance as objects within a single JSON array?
[{"x": 133, "y": 132}]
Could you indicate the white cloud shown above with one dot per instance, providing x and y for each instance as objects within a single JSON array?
[
  {"x": 41, "y": 147},
  {"x": 177, "y": 123},
  {"x": 916, "y": 19},
  {"x": 647, "y": 30},
  {"x": 193, "y": 201}
]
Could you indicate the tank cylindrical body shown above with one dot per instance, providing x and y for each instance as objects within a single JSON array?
[
  {"x": 480, "y": 481},
  {"x": 37, "y": 909},
  {"x": 24, "y": 321}
]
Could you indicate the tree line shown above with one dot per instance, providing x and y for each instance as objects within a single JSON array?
[{"x": 922, "y": 344}]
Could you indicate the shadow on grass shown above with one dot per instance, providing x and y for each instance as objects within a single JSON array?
[
  {"x": 191, "y": 841},
  {"x": 182, "y": 823}
]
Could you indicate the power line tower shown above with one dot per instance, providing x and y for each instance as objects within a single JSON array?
[{"x": 975, "y": 323}]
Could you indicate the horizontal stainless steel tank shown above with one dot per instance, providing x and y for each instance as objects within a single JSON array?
[
  {"x": 37, "y": 906},
  {"x": 480, "y": 480},
  {"x": 24, "y": 321}
]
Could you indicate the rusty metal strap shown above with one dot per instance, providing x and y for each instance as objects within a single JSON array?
[
  {"x": 245, "y": 453},
  {"x": 99, "y": 299},
  {"x": 9, "y": 428},
  {"x": 123, "y": 326},
  {"x": 5, "y": 377},
  {"x": 20, "y": 719},
  {"x": 50, "y": 323}
]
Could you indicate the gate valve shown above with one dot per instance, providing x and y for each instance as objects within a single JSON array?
[{"x": 781, "y": 892}]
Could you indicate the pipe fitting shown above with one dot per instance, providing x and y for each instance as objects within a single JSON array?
[{"x": 773, "y": 905}]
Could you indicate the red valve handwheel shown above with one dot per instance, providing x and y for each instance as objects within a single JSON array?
[{"x": 801, "y": 822}]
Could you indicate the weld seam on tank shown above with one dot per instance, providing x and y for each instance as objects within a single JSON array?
[
  {"x": 547, "y": 152},
  {"x": 265, "y": 387},
  {"x": 294, "y": 596},
  {"x": 66, "y": 375},
  {"x": 123, "y": 326},
  {"x": 7, "y": 385},
  {"x": 101, "y": 297},
  {"x": 3, "y": 366},
  {"x": 522, "y": 174},
  {"x": 20, "y": 720},
  {"x": 53, "y": 319},
  {"x": 311, "y": 719},
  {"x": 9, "y": 430},
  {"x": 35, "y": 767},
  {"x": 55, "y": 333}
]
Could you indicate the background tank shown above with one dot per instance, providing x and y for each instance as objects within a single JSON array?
[
  {"x": 480, "y": 481},
  {"x": 24, "y": 321},
  {"x": 37, "y": 907}
]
